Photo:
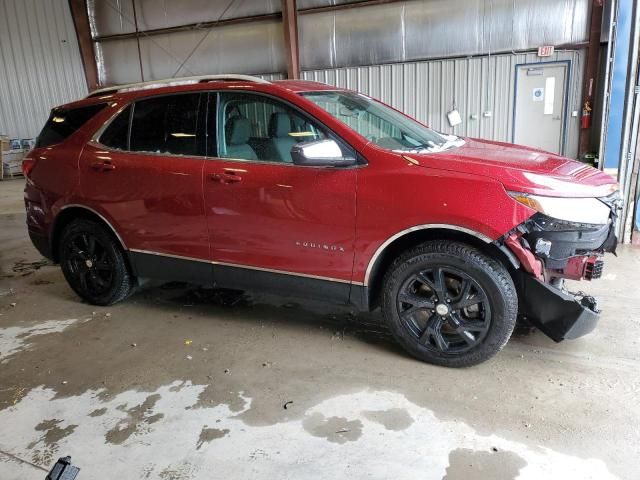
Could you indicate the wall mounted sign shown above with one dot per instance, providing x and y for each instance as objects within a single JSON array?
[
  {"x": 546, "y": 51},
  {"x": 538, "y": 94}
]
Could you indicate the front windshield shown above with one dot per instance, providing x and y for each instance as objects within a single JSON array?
[{"x": 380, "y": 124}]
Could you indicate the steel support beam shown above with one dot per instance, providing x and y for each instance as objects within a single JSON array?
[
  {"x": 85, "y": 43},
  {"x": 590, "y": 73},
  {"x": 290, "y": 27},
  {"x": 135, "y": 22}
]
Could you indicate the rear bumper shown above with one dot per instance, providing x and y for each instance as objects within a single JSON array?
[
  {"x": 41, "y": 242},
  {"x": 38, "y": 220},
  {"x": 558, "y": 314}
]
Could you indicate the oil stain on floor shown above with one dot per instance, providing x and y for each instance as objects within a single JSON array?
[
  {"x": 465, "y": 464},
  {"x": 334, "y": 429},
  {"x": 160, "y": 435}
]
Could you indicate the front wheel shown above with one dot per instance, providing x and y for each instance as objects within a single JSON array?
[
  {"x": 93, "y": 263},
  {"x": 448, "y": 304}
]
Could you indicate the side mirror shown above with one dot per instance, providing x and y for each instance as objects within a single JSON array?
[{"x": 321, "y": 153}]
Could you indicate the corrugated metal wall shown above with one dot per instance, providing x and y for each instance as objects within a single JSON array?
[
  {"x": 256, "y": 47},
  {"x": 418, "y": 30},
  {"x": 40, "y": 64},
  {"x": 410, "y": 30},
  {"x": 110, "y": 17},
  {"x": 428, "y": 90}
]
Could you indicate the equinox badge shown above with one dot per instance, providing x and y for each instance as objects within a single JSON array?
[{"x": 320, "y": 246}]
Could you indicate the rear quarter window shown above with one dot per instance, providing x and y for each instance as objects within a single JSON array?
[
  {"x": 117, "y": 133},
  {"x": 63, "y": 123}
]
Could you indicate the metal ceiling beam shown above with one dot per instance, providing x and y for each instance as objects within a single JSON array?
[
  {"x": 192, "y": 26},
  {"x": 290, "y": 27},
  {"x": 85, "y": 43}
]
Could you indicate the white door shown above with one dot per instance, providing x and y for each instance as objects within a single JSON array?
[{"x": 540, "y": 107}]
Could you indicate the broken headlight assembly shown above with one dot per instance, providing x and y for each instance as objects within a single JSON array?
[
  {"x": 569, "y": 212},
  {"x": 570, "y": 234}
]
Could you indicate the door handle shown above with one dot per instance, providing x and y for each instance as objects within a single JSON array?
[
  {"x": 227, "y": 177},
  {"x": 103, "y": 166}
]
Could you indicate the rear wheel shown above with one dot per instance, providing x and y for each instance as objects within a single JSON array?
[
  {"x": 449, "y": 304},
  {"x": 93, "y": 263}
]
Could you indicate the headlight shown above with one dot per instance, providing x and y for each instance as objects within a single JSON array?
[{"x": 578, "y": 210}]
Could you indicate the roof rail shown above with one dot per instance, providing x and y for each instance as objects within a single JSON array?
[{"x": 170, "y": 82}]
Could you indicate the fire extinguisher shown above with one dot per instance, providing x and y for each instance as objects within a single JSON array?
[{"x": 586, "y": 115}]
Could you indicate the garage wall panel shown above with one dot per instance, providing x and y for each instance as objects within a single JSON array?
[
  {"x": 257, "y": 47},
  {"x": 113, "y": 17},
  {"x": 303, "y": 4},
  {"x": 482, "y": 88},
  {"x": 425, "y": 29},
  {"x": 40, "y": 64}
]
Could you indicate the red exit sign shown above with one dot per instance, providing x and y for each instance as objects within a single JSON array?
[{"x": 545, "y": 51}]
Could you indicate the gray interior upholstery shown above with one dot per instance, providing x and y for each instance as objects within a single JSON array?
[
  {"x": 280, "y": 142},
  {"x": 237, "y": 133}
]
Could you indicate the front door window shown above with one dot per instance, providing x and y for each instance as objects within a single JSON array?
[{"x": 255, "y": 127}]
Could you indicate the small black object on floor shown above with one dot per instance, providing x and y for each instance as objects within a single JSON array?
[{"x": 63, "y": 470}]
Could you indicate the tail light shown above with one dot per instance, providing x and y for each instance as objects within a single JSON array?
[{"x": 28, "y": 163}]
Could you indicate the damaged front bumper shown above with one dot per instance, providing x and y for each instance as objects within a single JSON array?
[
  {"x": 559, "y": 314},
  {"x": 550, "y": 251}
]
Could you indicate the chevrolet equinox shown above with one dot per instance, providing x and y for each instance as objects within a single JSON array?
[{"x": 306, "y": 189}]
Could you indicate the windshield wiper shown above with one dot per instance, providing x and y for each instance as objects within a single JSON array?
[{"x": 451, "y": 142}]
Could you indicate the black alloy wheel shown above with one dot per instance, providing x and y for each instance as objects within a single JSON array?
[
  {"x": 93, "y": 263},
  {"x": 445, "y": 309},
  {"x": 89, "y": 262},
  {"x": 449, "y": 304}
]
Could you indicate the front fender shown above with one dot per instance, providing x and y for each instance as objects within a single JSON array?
[{"x": 399, "y": 196}]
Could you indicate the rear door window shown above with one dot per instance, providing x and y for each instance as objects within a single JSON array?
[
  {"x": 169, "y": 124},
  {"x": 63, "y": 123}
]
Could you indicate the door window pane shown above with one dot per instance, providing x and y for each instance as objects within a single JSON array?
[
  {"x": 167, "y": 124},
  {"x": 117, "y": 133},
  {"x": 254, "y": 127}
]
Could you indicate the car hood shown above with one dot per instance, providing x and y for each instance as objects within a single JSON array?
[{"x": 521, "y": 169}]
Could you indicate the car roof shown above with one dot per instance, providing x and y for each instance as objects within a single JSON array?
[
  {"x": 133, "y": 91},
  {"x": 304, "y": 85}
]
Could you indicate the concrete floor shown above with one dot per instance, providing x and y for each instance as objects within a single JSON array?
[{"x": 180, "y": 383}]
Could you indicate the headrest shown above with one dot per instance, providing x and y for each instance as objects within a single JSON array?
[
  {"x": 237, "y": 130},
  {"x": 279, "y": 125}
]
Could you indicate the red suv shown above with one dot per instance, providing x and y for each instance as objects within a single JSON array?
[{"x": 306, "y": 189}]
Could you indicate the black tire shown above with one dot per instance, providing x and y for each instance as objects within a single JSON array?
[
  {"x": 467, "y": 327},
  {"x": 94, "y": 263}
]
